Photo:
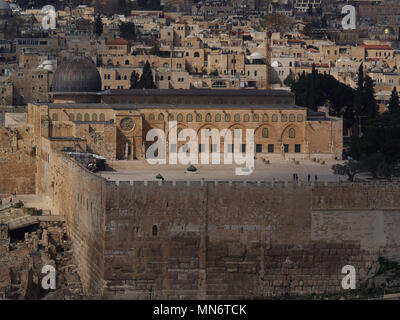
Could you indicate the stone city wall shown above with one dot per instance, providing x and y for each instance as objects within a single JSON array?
[
  {"x": 219, "y": 240},
  {"x": 79, "y": 195},
  {"x": 236, "y": 240}
]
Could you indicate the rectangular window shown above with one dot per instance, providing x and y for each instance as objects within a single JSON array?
[
  {"x": 230, "y": 147},
  {"x": 173, "y": 148},
  {"x": 270, "y": 148},
  {"x": 185, "y": 148},
  {"x": 243, "y": 148},
  {"x": 286, "y": 147},
  {"x": 297, "y": 148},
  {"x": 258, "y": 147},
  {"x": 202, "y": 148},
  {"x": 214, "y": 148}
]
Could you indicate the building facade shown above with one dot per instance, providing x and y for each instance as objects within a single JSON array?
[{"x": 115, "y": 123}]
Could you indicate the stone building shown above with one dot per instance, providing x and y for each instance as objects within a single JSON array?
[{"x": 114, "y": 123}]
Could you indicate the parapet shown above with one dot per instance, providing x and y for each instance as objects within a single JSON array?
[{"x": 258, "y": 183}]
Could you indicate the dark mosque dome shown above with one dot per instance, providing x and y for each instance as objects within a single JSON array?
[
  {"x": 5, "y": 10},
  {"x": 76, "y": 75}
]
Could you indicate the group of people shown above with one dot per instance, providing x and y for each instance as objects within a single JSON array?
[{"x": 296, "y": 177}]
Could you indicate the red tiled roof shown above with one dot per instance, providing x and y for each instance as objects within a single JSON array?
[
  {"x": 376, "y": 47},
  {"x": 118, "y": 41},
  {"x": 321, "y": 65}
]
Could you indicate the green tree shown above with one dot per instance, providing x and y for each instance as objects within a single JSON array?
[
  {"x": 122, "y": 7},
  {"x": 308, "y": 30},
  {"x": 370, "y": 104},
  {"x": 358, "y": 99},
  {"x": 350, "y": 168},
  {"x": 155, "y": 49},
  {"x": 312, "y": 90},
  {"x": 146, "y": 80},
  {"x": 149, "y": 5},
  {"x": 134, "y": 79},
  {"x": 365, "y": 105},
  {"x": 127, "y": 31},
  {"x": 214, "y": 73},
  {"x": 315, "y": 89},
  {"x": 324, "y": 24},
  {"x": 378, "y": 148},
  {"x": 394, "y": 105},
  {"x": 310, "y": 10},
  {"x": 289, "y": 80},
  {"x": 98, "y": 26}
]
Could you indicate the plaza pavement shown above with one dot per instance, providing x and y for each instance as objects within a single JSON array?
[{"x": 278, "y": 170}]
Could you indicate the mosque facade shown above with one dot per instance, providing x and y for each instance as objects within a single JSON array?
[{"x": 115, "y": 123}]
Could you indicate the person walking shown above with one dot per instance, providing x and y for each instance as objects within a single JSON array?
[
  {"x": 316, "y": 178},
  {"x": 294, "y": 177},
  {"x": 309, "y": 177},
  {"x": 297, "y": 178}
]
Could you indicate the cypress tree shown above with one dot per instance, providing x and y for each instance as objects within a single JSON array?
[
  {"x": 146, "y": 80},
  {"x": 311, "y": 90},
  {"x": 394, "y": 105},
  {"x": 370, "y": 104},
  {"x": 359, "y": 96},
  {"x": 360, "y": 82},
  {"x": 98, "y": 26},
  {"x": 121, "y": 7},
  {"x": 134, "y": 79}
]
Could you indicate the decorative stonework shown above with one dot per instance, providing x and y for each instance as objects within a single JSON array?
[{"x": 127, "y": 124}]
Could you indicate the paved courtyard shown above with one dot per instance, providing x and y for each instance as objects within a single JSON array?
[{"x": 278, "y": 170}]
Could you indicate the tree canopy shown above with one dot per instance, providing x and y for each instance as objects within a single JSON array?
[
  {"x": 355, "y": 105},
  {"x": 127, "y": 31},
  {"x": 134, "y": 79},
  {"x": 394, "y": 104},
  {"x": 378, "y": 148},
  {"x": 146, "y": 80},
  {"x": 98, "y": 26},
  {"x": 316, "y": 89}
]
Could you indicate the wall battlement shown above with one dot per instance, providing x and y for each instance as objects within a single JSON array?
[{"x": 260, "y": 183}]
